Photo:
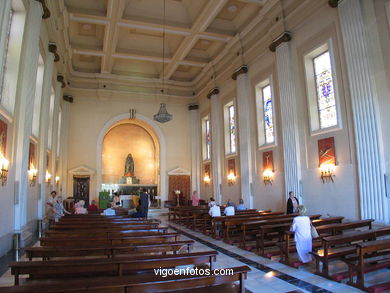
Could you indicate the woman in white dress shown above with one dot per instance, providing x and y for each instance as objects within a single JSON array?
[{"x": 302, "y": 228}]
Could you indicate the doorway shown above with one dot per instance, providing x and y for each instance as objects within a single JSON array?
[{"x": 81, "y": 189}]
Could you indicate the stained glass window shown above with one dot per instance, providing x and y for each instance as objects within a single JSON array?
[
  {"x": 232, "y": 129},
  {"x": 268, "y": 114},
  {"x": 326, "y": 101},
  {"x": 208, "y": 138}
]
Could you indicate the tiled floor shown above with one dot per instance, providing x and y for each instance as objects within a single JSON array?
[{"x": 268, "y": 276}]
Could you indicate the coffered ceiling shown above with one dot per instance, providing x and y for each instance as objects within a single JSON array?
[{"x": 124, "y": 38}]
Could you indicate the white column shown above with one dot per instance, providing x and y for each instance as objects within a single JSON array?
[
  {"x": 244, "y": 133},
  {"x": 24, "y": 108},
  {"x": 195, "y": 147},
  {"x": 54, "y": 134},
  {"x": 5, "y": 9},
  {"x": 216, "y": 139},
  {"x": 43, "y": 130},
  {"x": 289, "y": 119},
  {"x": 64, "y": 147},
  {"x": 373, "y": 203}
]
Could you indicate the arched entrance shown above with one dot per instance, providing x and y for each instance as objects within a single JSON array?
[{"x": 140, "y": 125}]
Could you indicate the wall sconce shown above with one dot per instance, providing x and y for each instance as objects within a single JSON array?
[
  {"x": 57, "y": 179},
  {"x": 32, "y": 175},
  {"x": 327, "y": 172},
  {"x": 268, "y": 174},
  {"x": 48, "y": 177},
  {"x": 231, "y": 178},
  {"x": 206, "y": 179},
  {"x": 4, "y": 163}
]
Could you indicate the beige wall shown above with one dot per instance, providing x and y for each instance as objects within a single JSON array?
[{"x": 90, "y": 113}]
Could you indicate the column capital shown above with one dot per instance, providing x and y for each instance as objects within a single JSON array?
[
  {"x": 333, "y": 3},
  {"x": 242, "y": 70},
  {"x": 283, "y": 38},
  {"x": 193, "y": 107},
  {"x": 214, "y": 91},
  {"x": 61, "y": 79},
  {"x": 68, "y": 98},
  {"x": 53, "y": 49},
  {"x": 46, "y": 12}
]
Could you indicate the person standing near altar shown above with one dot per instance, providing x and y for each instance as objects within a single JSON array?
[
  {"x": 195, "y": 199},
  {"x": 144, "y": 203}
]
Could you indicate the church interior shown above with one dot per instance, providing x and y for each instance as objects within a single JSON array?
[{"x": 190, "y": 146}]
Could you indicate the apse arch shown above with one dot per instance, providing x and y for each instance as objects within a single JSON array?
[{"x": 162, "y": 153}]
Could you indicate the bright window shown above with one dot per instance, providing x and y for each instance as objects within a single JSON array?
[
  {"x": 206, "y": 138},
  {"x": 321, "y": 85},
  {"x": 37, "y": 98},
  {"x": 265, "y": 113},
  {"x": 327, "y": 111},
  {"x": 230, "y": 128}
]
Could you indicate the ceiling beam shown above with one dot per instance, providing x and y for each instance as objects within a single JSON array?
[
  {"x": 136, "y": 24},
  {"x": 209, "y": 12},
  {"x": 139, "y": 57}
]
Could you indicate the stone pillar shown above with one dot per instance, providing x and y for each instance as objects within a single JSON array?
[
  {"x": 195, "y": 147},
  {"x": 5, "y": 8},
  {"x": 24, "y": 108},
  {"x": 373, "y": 202},
  {"x": 54, "y": 134},
  {"x": 64, "y": 147},
  {"x": 216, "y": 139},
  {"x": 43, "y": 130},
  {"x": 289, "y": 119},
  {"x": 244, "y": 133}
]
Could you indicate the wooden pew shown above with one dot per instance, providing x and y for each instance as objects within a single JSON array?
[
  {"x": 105, "y": 234},
  {"x": 139, "y": 284},
  {"x": 370, "y": 256},
  {"x": 271, "y": 233},
  {"x": 335, "y": 247},
  {"x": 101, "y": 227},
  {"x": 85, "y": 242},
  {"x": 252, "y": 228},
  {"x": 117, "y": 266},
  {"x": 108, "y": 251}
]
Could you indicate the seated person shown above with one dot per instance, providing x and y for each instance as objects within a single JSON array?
[
  {"x": 116, "y": 201},
  {"x": 229, "y": 210},
  {"x": 108, "y": 211},
  {"x": 211, "y": 202},
  {"x": 79, "y": 208},
  {"x": 215, "y": 211},
  {"x": 92, "y": 207},
  {"x": 241, "y": 206}
]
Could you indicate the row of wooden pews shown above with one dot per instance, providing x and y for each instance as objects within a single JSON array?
[
  {"x": 93, "y": 253},
  {"x": 362, "y": 248}
]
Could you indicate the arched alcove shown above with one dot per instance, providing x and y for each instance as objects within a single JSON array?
[{"x": 146, "y": 134}]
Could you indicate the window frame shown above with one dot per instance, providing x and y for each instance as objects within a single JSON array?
[
  {"x": 311, "y": 88},
  {"x": 204, "y": 129},
  {"x": 227, "y": 134},
  {"x": 260, "y": 114}
]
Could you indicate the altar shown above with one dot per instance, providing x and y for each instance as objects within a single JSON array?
[{"x": 125, "y": 189}]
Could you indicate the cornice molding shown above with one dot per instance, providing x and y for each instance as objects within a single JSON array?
[
  {"x": 193, "y": 107},
  {"x": 283, "y": 38},
  {"x": 46, "y": 12},
  {"x": 242, "y": 70},
  {"x": 214, "y": 91},
  {"x": 53, "y": 49},
  {"x": 333, "y": 3},
  {"x": 61, "y": 79}
]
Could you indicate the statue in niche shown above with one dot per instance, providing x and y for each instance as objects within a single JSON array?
[{"x": 129, "y": 166}]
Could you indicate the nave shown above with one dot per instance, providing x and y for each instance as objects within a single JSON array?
[{"x": 261, "y": 274}]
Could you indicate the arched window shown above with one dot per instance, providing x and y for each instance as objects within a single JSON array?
[
  {"x": 206, "y": 138},
  {"x": 37, "y": 98},
  {"x": 230, "y": 128}
]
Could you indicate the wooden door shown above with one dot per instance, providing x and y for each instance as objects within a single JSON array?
[
  {"x": 81, "y": 189},
  {"x": 182, "y": 183}
]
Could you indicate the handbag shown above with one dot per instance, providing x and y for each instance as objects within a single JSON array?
[{"x": 313, "y": 231}]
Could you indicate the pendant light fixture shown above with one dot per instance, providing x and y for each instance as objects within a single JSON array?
[{"x": 163, "y": 116}]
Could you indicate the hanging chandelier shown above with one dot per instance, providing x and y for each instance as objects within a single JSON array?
[{"x": 163, "y": 116}]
